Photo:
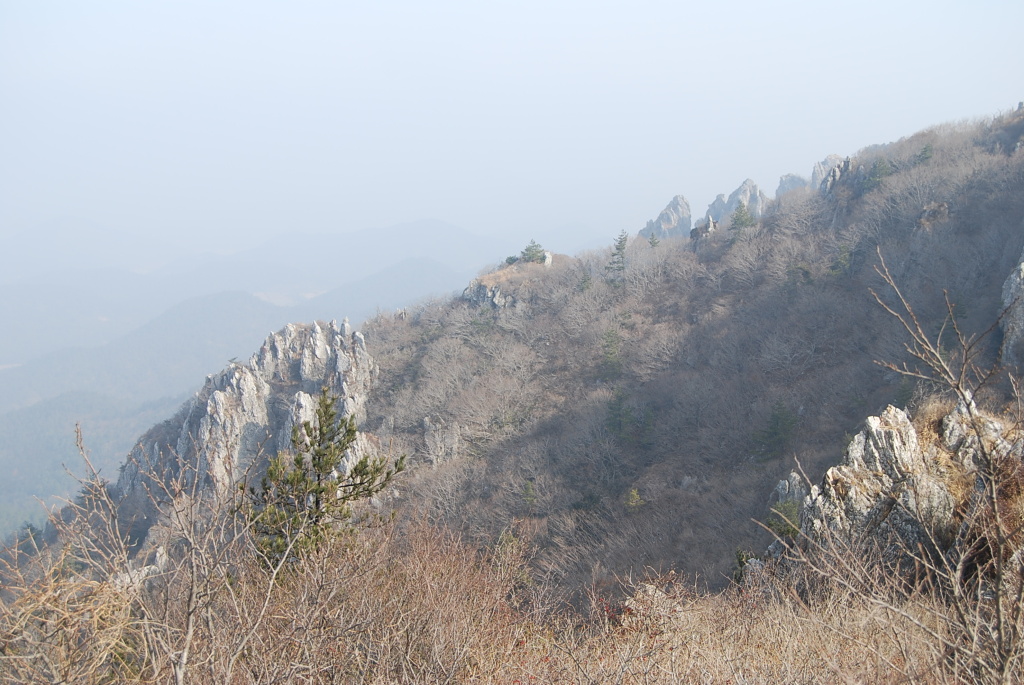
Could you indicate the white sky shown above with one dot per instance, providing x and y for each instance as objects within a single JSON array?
[{"x": 228, "y": 122}]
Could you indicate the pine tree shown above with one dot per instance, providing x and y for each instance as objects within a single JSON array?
[
  {"x": 302, "y": 500},
  {"x": 532, "y": 253},
  {"x": 742, "y": 218},
  {"x": 618, "y": 261},
  {"x": 633, "y": 500},
  {"x": 775, "y": 438}
]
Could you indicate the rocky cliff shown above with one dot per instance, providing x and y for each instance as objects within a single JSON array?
[
  {"x": 748, "y": 193},
  {"x": 244, "y": 414},
  {"x": 1012, "y": 322},
  {"x": 907, "y": 492},
  {"x": 823, "y": 168},
  {"x": 674, "y": 220},
  {"x": 819, "y": 173},
  {"x": 888, "y": 485}
]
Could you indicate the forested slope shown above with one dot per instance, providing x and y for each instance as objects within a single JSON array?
[{"x": 635, "y": 407}]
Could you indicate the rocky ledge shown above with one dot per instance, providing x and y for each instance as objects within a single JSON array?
[{"x": 903, "y": 491}]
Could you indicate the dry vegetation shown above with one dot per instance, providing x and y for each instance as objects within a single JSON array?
[
  {"x": 696, "y": 374},
  {"x": 382, "y": 603},
  {"x": 571, "y": 447}
]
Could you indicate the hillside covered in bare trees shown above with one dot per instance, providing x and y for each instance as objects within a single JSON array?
[
  {"x": 557, "y": 475},
  {"x": 634, "y": 408}
]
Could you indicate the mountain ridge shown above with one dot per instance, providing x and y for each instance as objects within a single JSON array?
[{"x": 687, "y": 375}]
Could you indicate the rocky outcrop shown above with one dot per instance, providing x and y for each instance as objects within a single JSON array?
[
  {"x": 244, "y": 414},
  {"x": 443, "y": 442},
  {"x": 674, "y": 220},
  {"x": 748, "y": 193},
  {"x": 933, "y": 213},
  {"x": 792, "y": 489},
  {"x": 823, "y": 168},
  {"x": 703, "y": 229},
  {"x": 789, "y": 183},
  {"x": 481, "y": 294},
  {"x": 821, "y": 171},
  {"x": 888, "y": 487},
  {"x": 833, "y": 176},
  {"x": 1013, "y": 319},
  {"x": 906, "y": 495}
]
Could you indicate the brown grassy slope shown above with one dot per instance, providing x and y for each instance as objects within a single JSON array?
[
  {"x": 422, "y": 607},
  {"x": 697, "y": 374}
]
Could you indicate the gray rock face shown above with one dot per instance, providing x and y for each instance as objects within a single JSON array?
[
  {"x": 482, "y": 294},
  {"x": 509, "y": 285},
  {"x": 823, "y": 168},
  {"x": 1013, "y": 320},
  {"x": 819, "y": 173},
  {"x": 244, "y": 414},
  {"x": 788, "y": 183},
  {"x": 833, "y": 176},
  {"x": 895, "y": 490},
  {"x": 703, "y": 229},
  {"x": 885, "y": 487},
  {"x": 792, "y": 489},
  {"x": 674, "y": 220},
  {"x": 748, "y": 193}
]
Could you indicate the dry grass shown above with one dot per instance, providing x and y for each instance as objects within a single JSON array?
[
  {"x": 420, "y": 606},
  {"x": 928, "y": 415}
]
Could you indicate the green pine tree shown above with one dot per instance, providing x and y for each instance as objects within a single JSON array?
[
  {"x": 532, "y": 253},
  {"x": 301, "y": 500},
  {"x": 776, "y": 436},
  {"x": 742, "y": 218},
  {"x": 633, "y": 500},
  {"x": 617, "y": 264}
]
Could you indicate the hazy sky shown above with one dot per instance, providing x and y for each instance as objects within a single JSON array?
[{"x": 226, "y": 122}]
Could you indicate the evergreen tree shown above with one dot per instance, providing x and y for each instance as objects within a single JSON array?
[
  {"x": 633, "y": 500},
  {"x": 775, "y": 438},
  {"x": 926, "y": 153},
  {"x": 653, "y": 241},
  {"x": 618, "y": 261},
  {"x": 532, "y": 253},
  {"x": 880, "y": 170},
  {"x": 302, "y": 500},
  {"x": 742, "y": 218}
]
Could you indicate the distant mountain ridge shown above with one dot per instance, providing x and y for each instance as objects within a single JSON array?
[
  {"x": 98, "y": 304},
  {"x": 168, "y": 329}
]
